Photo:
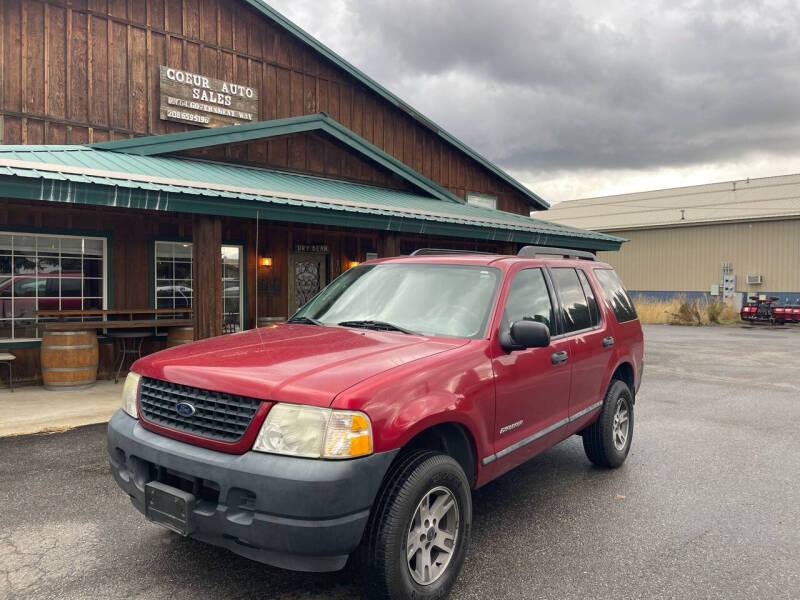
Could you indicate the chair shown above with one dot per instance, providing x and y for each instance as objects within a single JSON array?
[
  {"x": 230, "y": 325},
  {"x": 7, "y": 358}
]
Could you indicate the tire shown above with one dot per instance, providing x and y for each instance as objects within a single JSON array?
[
  {"x": 416, "y": 476},
  {"x": 599, "y": 441}
]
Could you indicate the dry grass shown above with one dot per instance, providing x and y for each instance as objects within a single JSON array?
[{"x": 680, "y": 311}]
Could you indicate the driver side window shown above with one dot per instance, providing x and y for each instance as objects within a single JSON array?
[{"x": 528, "y": 299}]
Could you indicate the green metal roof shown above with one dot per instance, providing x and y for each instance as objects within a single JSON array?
[
  {"x": 79, "y": 174},
  {"x": 203, "y": 138}
]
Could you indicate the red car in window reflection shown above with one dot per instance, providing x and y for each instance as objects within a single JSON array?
[{"x": 52, "y": 293}]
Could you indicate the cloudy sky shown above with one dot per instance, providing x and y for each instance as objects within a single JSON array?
[{"x": 580, "y": 98}]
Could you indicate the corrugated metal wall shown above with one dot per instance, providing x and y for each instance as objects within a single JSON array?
[
  {"x": 689, "y": 258},
  {"x": 731, "y": 201}
]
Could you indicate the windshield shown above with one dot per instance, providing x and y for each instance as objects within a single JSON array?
[{"x": 429, "y": 299}]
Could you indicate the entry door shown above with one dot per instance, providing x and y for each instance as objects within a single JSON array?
[
  {"x": 531, "y": 386},
  {"x": 307, "y": 276}
]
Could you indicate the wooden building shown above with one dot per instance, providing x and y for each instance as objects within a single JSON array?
[{"x": 209, "y": 153}]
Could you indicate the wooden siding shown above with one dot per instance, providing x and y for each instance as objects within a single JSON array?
[
  {"x": 84, "y": 71},
  {"x": 311, "y": 152}
]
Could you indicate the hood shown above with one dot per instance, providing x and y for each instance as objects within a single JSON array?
[{"x": 303, "y": 364}]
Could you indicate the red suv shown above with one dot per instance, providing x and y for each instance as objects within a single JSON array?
[{"x": 361, "y": 425}]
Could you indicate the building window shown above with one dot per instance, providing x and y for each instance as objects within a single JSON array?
[
  {"x": 231, "y": 289},
  {"x": 173, "y": 275},
  {"x": 47, "y": 272},
  {"x": 482, "y": 200},
  {"x": 173, "y": 268}
]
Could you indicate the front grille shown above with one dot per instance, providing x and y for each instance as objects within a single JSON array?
[{"x": 218, "y": 416}]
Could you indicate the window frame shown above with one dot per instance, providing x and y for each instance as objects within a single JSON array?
[
  {"x": 479, "y": 199},
  {"x": 153, "y": 298},
  {"x": 563, "y": 333},
  {"x": 242, "y": 271},
  {"x": 607, "y": 299},
  {"x": 554, "y": 302},
  {"x": 105, "y": 257},
  {"x": 601, "y": 318},
  {"x": 154, "y": 267}
]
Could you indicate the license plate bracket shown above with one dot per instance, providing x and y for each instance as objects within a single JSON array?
[{"x": 169, "y": 507}]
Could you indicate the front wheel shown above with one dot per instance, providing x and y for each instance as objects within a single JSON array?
[
  {"x": 419, "y": 529},
  {"x": 608, "y": 440}
]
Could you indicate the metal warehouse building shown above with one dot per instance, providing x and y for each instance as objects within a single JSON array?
[{"x": 733, "y": 239}]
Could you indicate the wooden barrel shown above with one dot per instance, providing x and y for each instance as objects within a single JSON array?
[
  {"x": 179, "y": 335},
  {"x": 69, "y": 359}
]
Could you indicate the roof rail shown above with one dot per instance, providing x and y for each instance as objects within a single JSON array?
[
  {"x": 430, "y": 251},
  {"x": 534, "y": 251}
]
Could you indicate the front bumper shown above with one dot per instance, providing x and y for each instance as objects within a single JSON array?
[{"x": 294, "y": 513}]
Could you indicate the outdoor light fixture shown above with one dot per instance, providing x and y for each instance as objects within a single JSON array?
[
  {"x": 352, "y": 263},
  {"x": 265, "y": 261}
]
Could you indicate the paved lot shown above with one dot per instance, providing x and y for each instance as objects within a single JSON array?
[{"x": 705, "y": 507}]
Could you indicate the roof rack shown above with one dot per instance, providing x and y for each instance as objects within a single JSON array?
[
  {"x": 429, "y": 251},
  {"x": 534, "y": 251}
]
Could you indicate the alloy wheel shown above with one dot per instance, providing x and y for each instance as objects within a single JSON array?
[
  {"x": 432, "y": 535},
  {"x": 621, "y": 424}
]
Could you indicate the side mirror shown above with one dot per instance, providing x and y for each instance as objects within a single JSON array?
[{"x": 525, "y": 334}]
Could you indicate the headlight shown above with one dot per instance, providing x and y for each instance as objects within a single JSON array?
[
  {"x": 130, "y": 393},
  {"x": 314, "y": 432}
]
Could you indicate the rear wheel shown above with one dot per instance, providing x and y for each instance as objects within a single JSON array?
[
  {"x": 608, "y": 440},
  {"x": 419, "y": 529}
]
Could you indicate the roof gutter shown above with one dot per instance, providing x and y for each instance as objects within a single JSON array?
[{"x": 39, "y": 189}]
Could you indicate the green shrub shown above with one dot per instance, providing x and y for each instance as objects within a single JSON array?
[
  {"x": 688, "y": 314},
  {"x": 714, "y": 310}
]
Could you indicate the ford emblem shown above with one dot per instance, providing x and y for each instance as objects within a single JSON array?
[{"x": 185, "y": 409}]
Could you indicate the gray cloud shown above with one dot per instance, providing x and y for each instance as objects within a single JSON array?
[{"x": 544, "y": 85}]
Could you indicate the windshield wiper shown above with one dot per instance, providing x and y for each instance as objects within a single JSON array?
[
  {"x": 305, "y": 320},
  {"x": 376, "y": 325}
]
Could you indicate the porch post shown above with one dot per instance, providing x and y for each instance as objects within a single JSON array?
[
  {"x": 388, "y": 244},
  {"x": 207, "y": 276}
]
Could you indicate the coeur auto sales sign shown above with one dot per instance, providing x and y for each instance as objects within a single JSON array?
[{"x": 193, "y": 98}]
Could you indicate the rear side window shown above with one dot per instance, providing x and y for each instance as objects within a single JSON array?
[
  {"x": 617, "y": 296},
  {"x": 573, "y": 301},
  {"x": 594, "y": 310},
  {"x": 528, "y": 299}
]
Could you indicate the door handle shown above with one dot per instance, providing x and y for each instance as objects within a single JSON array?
[
  {"x": 558, "y": 357},
  {"x": 608, "y": 341}
]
